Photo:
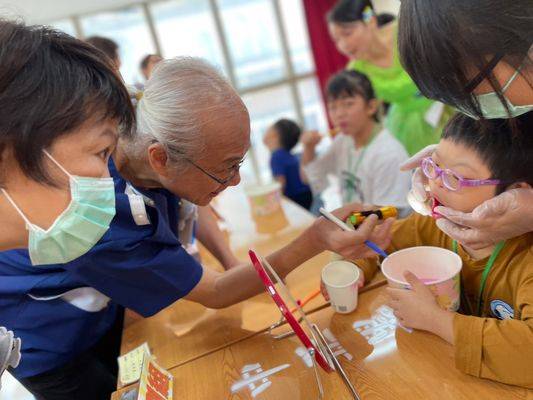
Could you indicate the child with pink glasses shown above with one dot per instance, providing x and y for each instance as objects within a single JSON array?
[{"x": 492, "y": 333}]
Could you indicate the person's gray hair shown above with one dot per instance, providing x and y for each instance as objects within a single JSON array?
[{"x": 180, "y": 98}]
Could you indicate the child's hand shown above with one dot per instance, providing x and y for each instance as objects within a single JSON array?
[
  {"x": 324, "y": 291},
  {"x": 361, "y": 280},
  {"x": 416, "y": 308},
  {"x": 310, "y": 138}
]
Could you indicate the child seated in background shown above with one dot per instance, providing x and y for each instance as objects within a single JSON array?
[
  {"x": 280, "y": 139},
  {"x": 365, "y": 157},
  {"x": 475, "y": 161}
]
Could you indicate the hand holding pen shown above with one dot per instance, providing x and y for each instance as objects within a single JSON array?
[
  {"x": 350, "y": 244},
  {"x": 364, "y": 242},
  {"x": 345, "y": 227}
]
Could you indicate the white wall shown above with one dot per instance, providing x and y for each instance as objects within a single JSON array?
[
  {"x": 42, "y": 11},
  {"x": 391, "y": 6}
]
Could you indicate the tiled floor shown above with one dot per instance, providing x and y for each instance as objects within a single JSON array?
[{"x": 12, "y": 390}]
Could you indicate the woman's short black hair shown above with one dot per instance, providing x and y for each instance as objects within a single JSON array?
[
  {"x": 348, "y": 11},
  {"x": 289, "y": 133},
  {"x": 508, "y": 155},
  {"x": 440, "y": 41},
  {"x": 50, "y": 85},
  {"x": 350, "y": 83}
]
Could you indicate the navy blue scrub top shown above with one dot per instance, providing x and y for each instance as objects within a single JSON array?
[{"x": 60, "y": 311}]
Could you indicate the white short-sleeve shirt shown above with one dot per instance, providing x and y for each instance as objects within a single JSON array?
[{"x": 368, "y": 175}]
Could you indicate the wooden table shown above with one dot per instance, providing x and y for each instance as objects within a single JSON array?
[
  {"x": 186, "y": 330},
  {"x": 388, "y": 363}
]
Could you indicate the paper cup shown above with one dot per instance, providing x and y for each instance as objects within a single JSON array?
[
  {"x": 265, "y": 199},
  {"x": 439, "y": 269},
  {"x": 340, "y": 279}
]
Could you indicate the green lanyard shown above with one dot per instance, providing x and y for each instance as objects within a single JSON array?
[
  {"x": 351, "y": 189},
  {"x": 486, "y": 271}
]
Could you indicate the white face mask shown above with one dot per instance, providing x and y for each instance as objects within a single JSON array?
[
  {"x": 492, "y": 107},
  {"x": 77, "y": 229}
]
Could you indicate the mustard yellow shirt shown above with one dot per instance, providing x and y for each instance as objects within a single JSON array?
[{"x": 498, "y": 344}]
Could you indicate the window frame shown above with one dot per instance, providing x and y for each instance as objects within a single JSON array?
[{"x": 291, "y": 80}]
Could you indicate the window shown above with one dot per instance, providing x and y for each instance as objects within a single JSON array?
[
  {"x": 261, "y": 45},
  {"x": 186, "y": 27},
  {"x": 129, "y": 29},
  {"x": 295, "y": 27},
  {"x": 266, "y": 107},
  {"x": 253, "y": 40},
  {"x": 313, "y": 107}
]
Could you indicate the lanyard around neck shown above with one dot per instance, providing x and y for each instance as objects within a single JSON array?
[
  {"x": 353, "y": 172},
  {"x": 350, "y": 189},
  {"x": 495, "y": 253}
]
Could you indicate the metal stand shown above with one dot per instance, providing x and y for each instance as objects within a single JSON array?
[
  {"x": 322, "y": 343},
  {"x": 336, "y": 363},
  {"x": 311, "y": 352}
]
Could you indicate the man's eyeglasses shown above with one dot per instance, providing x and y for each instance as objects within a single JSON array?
[{"x": 235, "y": 171}]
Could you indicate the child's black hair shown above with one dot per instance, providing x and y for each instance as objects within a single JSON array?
[
  {"x": 348, "y": 11},
  {"x": 289, "y": 133},
  {"x": 349, "y": 83},
  {"x": 385, "y": 18},
  {"x": 508, "y": 155}
]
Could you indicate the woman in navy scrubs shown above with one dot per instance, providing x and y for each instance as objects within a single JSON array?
[
  {"x": 476, "y": 55},
  {"x": 60, "y": 104},
  {"x": 193, "y": 132}
]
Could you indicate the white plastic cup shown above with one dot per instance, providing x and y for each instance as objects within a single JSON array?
[
  {"x": 264, "y": 199},
  {"x": 340, "y": 279}
]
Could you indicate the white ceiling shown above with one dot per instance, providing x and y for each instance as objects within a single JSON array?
[
  {"x": 42, "y": 11},
  {"x": 39, "y": 11}
]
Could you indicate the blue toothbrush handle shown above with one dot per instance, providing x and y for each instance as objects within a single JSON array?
[{"x": 376, "y": 248}]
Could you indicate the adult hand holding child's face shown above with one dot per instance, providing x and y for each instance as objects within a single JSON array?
[{"x": 503, "y": 217}]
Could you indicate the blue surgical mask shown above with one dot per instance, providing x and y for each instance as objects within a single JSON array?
[
  {"x": 79, "y": 227},
  {"x": 492, "y": 107}
]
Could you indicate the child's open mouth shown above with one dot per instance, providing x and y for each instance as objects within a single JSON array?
[{"x": 435, "y": 203}]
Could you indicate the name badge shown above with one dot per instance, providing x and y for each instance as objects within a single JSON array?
[{"x": 137, "y": 206}]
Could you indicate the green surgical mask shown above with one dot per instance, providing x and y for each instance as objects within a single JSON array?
[
  {"x": 79, "y": 227},
  {"x": 492, "y": 107}
]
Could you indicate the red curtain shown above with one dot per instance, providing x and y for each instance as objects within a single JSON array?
[{"x": 327, "y": 59}]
